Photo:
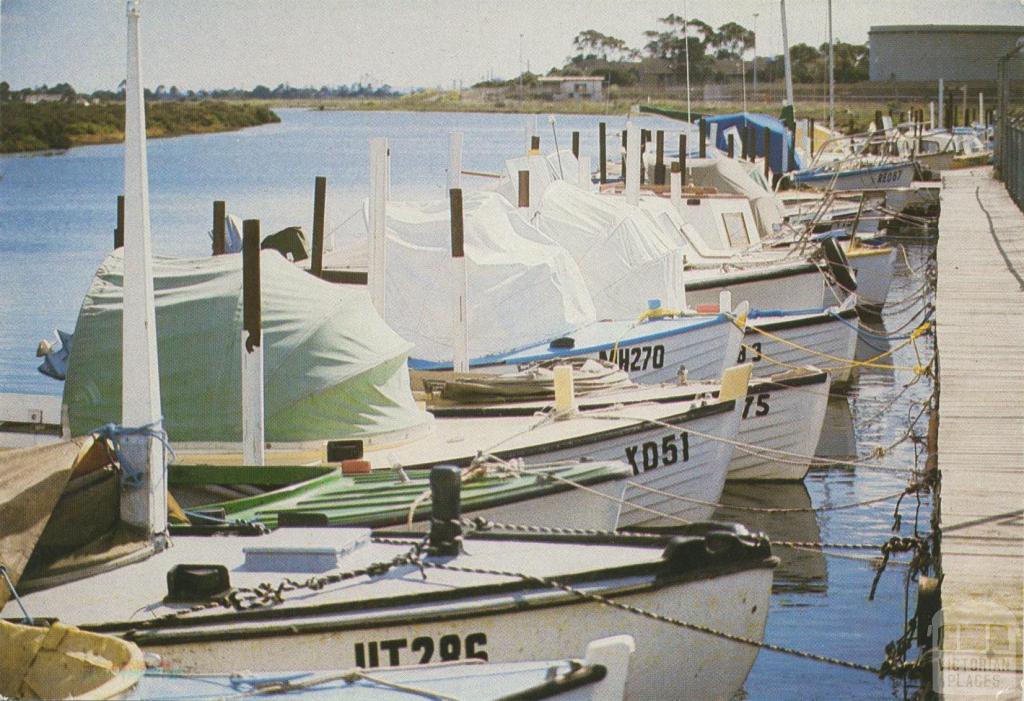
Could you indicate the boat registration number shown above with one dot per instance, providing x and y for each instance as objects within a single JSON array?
[
  {"x": 758, "y": 404},
  {"x": 423, "y": 649},
  {"x": 755, "y": 352},
  {"x": 651, "y": 454},
  {"x": 636, "y": 358},
  {"x": 889, "y": 176}
]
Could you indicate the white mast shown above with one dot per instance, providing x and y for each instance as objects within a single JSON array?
[
  {"x": 686, "y": 49},
  {"x": 143, "y": 505},
  {"x": 831, "y": 75},
  {"x": 785, "y": 56}
]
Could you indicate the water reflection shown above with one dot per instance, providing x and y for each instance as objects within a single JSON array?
[{"x": 800, "y": 569}]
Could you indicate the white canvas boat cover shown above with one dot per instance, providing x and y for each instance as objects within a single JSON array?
[
  {"x": 627, "y": 256},
  {"x": 544, "y": 170},
  {"x": 333, "y": 369},
  {"x": 735, "y": 177},
  {"x": 522, "y": 288}
]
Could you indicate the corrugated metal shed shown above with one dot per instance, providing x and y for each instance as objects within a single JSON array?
[{"x": 933, "y": 51}]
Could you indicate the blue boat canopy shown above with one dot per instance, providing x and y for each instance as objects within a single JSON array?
[{"x": 779, "y": 135}]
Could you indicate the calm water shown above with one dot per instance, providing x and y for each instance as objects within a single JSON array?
[{"x": 57, "y": 215}]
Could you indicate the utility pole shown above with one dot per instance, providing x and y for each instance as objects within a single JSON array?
[
  {"x": 831, "y": 75},
  {"x": 755, "y": 55},
  {"x": 785, "y": 55}
]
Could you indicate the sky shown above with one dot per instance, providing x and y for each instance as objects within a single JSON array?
[{"x": 205, "y": 44}]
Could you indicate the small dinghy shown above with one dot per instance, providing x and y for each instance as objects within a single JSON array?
[
  {"x": 303, "y": 599},
  {"x": 62, "y": 662}
]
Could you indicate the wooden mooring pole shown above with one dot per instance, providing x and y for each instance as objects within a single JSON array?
[
  {"x": 219, "y": 228},
  {"x": 119, "y": 228},
  {"x": 319, "y": 205}
]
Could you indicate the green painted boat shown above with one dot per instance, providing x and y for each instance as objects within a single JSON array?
[{"x": 581, "y": 495}]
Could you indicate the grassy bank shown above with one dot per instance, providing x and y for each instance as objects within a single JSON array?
[
  {"x": 858, "y": 114},
  {"x": 55, "y": 125}
]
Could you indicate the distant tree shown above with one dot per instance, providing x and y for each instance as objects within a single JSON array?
[
  {"x": 5, "y": 91},
  {"x": 851, "y": 61},
  {"x": 592, "y": 44},
  {"x": 679, "y": 39},
  {"x": 174, "y": 93},
  {"x": 733, "y": 40}
]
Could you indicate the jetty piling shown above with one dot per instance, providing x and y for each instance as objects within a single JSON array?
[
  {"x": 219, "y": 228},
  {"x": 602, "y": 135},
  {"x": 119, "y": 227},
  {"x": 319, "y": 206},
  {"x": 253, "y": 445}
]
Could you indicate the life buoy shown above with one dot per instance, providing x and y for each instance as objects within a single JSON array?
[{"x": 839, "y": 264}]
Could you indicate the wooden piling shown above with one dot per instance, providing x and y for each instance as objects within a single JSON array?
[
  {"x": 524, "y": 189},
  {"x": 752, "y": 137},
  {"x": 458, "y": 231},
  {"x": 767, "y": 150},
  {"x": 251, "y": 309},
  {"x": 682, "y": 159},
  {"x": 703, "y": 148},
  {"x": 576, "y": 144},
  {"x": 730, "y": 146},
  {"x": 602, "y": 153},
  {"x": 319, "y": 204},
  {"x": 534, "y": 145},
  {"x": 810, "y": 134},
  {"x": 659, "y": 153},
  {"x": 625, "y": 145},
  {"x": 219, "y": 228},
  {"x": 119, "y": 228}
]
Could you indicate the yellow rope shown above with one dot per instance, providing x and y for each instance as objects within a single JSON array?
[{"x": 918, "y": 369}]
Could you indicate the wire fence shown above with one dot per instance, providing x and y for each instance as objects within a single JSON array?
[{"x": 1009, "y": 135}]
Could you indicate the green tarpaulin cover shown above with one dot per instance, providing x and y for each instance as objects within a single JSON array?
[{"x": 332, "y": 368}]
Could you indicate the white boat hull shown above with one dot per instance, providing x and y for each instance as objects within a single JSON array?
[
  {"x": 669, "y": 662},
  {"x": 795, "y": 286},
  {"x": 874, "y": 271},
  {"x": 881, "y": 178},
  {"x": 822, "y": 341},
  {"x": 787, "y": 419},
  {"x": 650, "y": 352}
]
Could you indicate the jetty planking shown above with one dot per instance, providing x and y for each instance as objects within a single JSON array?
[{"x": 980, "y": 307}]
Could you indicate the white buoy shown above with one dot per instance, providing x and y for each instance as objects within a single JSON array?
[
  {"x": 454, "y": 160},
  {"x": 632, "y": 188},
  {"x": 378, "y": 217},
  {"x": 143, "y": 505},
  {"x": 565, "y": 391}
]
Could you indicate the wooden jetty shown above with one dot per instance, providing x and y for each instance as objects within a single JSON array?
[{"x": 980, "y": 313}]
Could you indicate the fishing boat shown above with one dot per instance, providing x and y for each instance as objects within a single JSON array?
[
  {"x": 881, "y": 176},
  {"x": 349, "y": 598},
  {"x": 58, "y": 661},
  {"x": 781, "y": 422}
]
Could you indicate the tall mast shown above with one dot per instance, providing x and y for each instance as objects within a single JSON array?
[
  {"x": 143, "y": 505},
  {"x": 785, "y": 55},
  {"x": 686, "y": 49}
]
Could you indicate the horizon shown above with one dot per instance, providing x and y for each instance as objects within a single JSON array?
[{"x": 314, "y": 43}]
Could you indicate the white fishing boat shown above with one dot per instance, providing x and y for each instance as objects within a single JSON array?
[
  {"x": 59, "y": 661},
  {"x": 881, "y": 176},
  {"x": 826, "y": 338},
  {"x": 782, "y": 415}
]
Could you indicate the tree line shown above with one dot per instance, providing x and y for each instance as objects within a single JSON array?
[
  {"x": 66, "y": 93},
  {"x": 60, "y": 125},
  {"x": 712, "y": 53}
]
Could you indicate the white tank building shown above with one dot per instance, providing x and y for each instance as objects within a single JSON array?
[{"x": 932, "y": 51}]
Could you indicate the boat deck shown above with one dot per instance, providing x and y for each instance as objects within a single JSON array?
[{"x": 980, "y": 308}]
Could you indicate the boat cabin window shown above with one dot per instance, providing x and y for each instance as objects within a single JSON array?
[{"x": 736, "y": 229}]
